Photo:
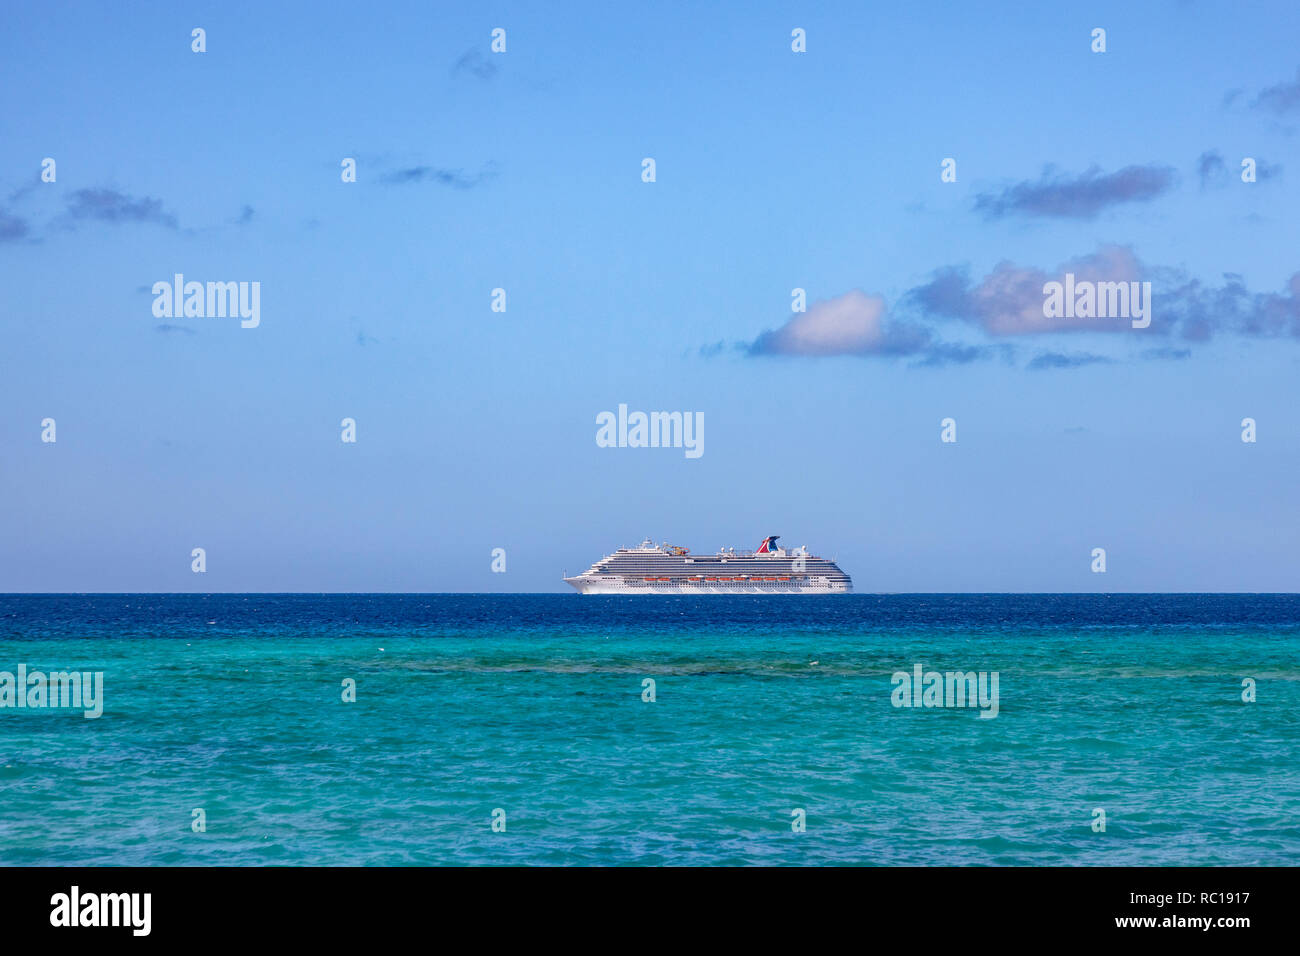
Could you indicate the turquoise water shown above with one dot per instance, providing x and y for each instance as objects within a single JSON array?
[{"x": 533, "y": 704}]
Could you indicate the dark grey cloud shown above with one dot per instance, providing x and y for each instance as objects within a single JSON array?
[
  {"x": 1200, "y": 311},
  {"x": 109, "y": 205},
  {"x": 1008, "y": 301},
  {"x": 474, "y": 63},
  {"x": 947, "y": 294},
  {"x": 1076, "y": 197},
  {"x": 1281, "y": 98},
  {"x": 1007, "y": 304},
  {"x": 1060, "y": 360},
  {"x": 455, "y": 178}
]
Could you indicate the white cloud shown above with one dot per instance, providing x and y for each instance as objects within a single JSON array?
[{"x": 849, "y": 324}]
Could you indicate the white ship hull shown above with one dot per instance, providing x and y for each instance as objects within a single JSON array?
[
  {"x": 600, "y": 587},
  {"x": 661, "y": 569}
]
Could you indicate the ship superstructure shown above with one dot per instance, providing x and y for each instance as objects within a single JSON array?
[{"x": 668, "y": 569}]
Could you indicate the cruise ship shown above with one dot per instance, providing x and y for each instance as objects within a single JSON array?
[{"x": 668, "y": 569}]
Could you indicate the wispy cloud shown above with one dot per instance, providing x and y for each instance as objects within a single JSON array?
[
  {"x": 1165, "y": 354},
  {"x": 474, "y": 63},
  {"x": 714, "y": 349},
  {"x": 109, "y": 205},
  {"x": 26, "y": 189},
  {"x": 1281, "y": 98},
  {"x": 1211, "y": 169},
  {"x": 13, "y": 228},
  {"x": 1046, "y": 360},
  {"x": 938, "y": 354},
  {"x": 1265, "y": 172},
  {"x": 455, "y": 178},
  {"x": 1076, "y": 197}
]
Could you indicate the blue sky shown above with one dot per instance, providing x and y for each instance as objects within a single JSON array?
[{"x": 775, "y": 170}]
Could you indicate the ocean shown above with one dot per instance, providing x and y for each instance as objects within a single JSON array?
[{"x": 520, "y": 729}]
